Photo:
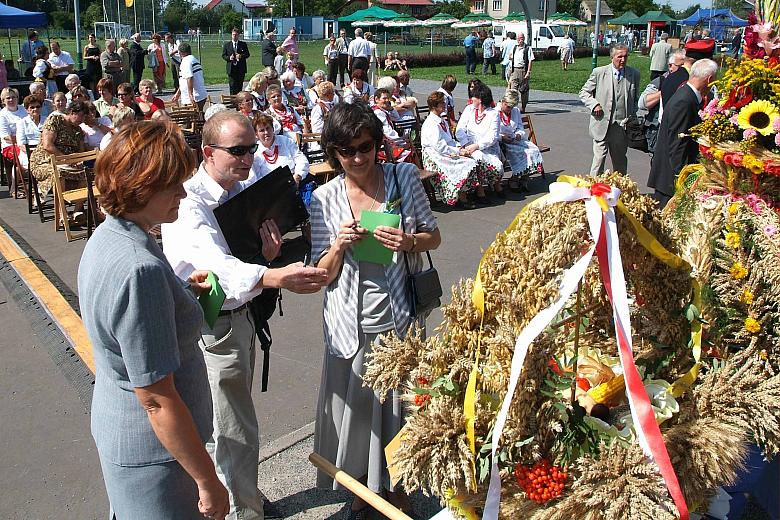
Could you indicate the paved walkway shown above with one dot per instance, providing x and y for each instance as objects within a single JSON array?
[{"x": 51, "y": 468}]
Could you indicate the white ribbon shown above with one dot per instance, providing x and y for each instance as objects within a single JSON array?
[{"x": 559, "y": 192}]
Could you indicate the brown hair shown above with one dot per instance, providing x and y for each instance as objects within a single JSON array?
[
  {"x": 262, "y": 120},
  {"x": 242, "y": 97},
  {"x": 144, "y": 158},
  {"x": 449, "y": 83},
  {"x": 29, "y": 100},
  {"x": 107, "y": 84},
  {"x": 435, "y": 99}
]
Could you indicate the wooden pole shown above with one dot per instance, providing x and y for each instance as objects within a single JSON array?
[{"x": 371, "y": 498}]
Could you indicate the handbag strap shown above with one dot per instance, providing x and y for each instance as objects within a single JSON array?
[{"x": 401, "y": 211}]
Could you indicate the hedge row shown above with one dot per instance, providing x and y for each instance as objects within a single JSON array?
[{"x": 459, "y": 58}]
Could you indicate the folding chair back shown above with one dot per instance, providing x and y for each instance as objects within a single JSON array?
[
  {"x": 32, "y": 186},
  {"x": 318, "y": 164},
  {"x": 228, "y": 101},
  {"x": 527, "y": 125},
  {"x": 63, "y": 198}
]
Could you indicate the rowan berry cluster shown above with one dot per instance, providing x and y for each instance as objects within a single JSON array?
[{"x": 542, "y": 481}]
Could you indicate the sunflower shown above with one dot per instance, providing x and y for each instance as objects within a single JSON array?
[{"x": 758, "y": 115}]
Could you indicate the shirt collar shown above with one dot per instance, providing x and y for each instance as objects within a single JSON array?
[
  {"x": 695, "y": 91},
  {"x": 618, "y": 72},
  {"x": 206, "y": 188}
]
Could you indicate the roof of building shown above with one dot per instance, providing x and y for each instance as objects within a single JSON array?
[{"x": 407, "y": 2}]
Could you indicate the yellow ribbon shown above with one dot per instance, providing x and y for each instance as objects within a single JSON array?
[
  {"x": 647, "y": 240},
  {"x": 455, "y": 502}
]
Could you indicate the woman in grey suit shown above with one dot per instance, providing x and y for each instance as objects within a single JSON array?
[{"x": 151, "y": 406}]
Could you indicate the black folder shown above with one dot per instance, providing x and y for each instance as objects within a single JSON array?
[{"x": 274, "y": 196}]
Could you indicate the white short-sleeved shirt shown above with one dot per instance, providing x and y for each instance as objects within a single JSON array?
[
  {"x": 62, "y": 60},
  {"x": 191, "y": 68},
  {"x": 359, "y": 48},
  {"x": 8, "y": 122}
]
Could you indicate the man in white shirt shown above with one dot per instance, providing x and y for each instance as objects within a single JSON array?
[
  {"x": 61, "y": 63},
  {"x": 358, "y": 52},
  {"x": 172, "y": 46},
  {"x": 192, "y": 86},
  {"x": 507, "y": 48},
  {"x": 194, "y": 242}
]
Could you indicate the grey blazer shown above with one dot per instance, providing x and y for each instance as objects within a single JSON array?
[{"x": 598, "y": 90}]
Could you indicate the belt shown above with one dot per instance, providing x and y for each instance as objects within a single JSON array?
[{"x": 232, "y": 311}]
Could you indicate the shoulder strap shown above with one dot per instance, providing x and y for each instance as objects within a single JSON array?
[{"x": 401, "y": 212}]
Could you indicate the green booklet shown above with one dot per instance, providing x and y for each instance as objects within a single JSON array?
[
  {"x": 211, "y": 301},
  {"x": 370, "y": 249}
]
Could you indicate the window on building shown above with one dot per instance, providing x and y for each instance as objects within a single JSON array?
[
  {"x": 479, "y": 6},
  {"x": 542, "y": 3},
  {"x": 496, "y": 5}
]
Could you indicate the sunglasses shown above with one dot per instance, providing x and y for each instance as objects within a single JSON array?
[
  {"x": 350, "y": 151},
  {"x": 237, "y": 151},
  {"x": 124, "y": 93}
]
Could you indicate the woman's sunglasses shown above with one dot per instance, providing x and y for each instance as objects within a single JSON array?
[
  {"x": 350, "y": 151},
  {"x": 238, "y": 150}
]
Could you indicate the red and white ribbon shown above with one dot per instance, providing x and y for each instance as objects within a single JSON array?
[{"x": 600, "y": 200}]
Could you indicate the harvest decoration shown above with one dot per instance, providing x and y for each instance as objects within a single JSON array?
[{"x": 716, "y": 410}]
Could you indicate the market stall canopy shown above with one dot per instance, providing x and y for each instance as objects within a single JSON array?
[
  {"x": 403, "y": 20},
  {"x": 562, "y": 17},
  {"x": 515, "y": 16},
  {"x": 440, "y": 19},
  {"x": 374, "y": 11},
  {"x": 627, "y": 18},
  {"x": 368, "y": 21},
  {"x": 654, "y": 16},
  {"x": 720, "y": 16},
  {"x": 13, "y": 17},
  {"x": 474, "y": 20}
]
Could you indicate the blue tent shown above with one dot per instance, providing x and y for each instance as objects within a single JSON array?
[
  {"x": 12, "y": 17},
  {"x": 721, "y": 17}
]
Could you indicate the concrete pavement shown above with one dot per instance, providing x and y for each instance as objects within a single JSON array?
[{"x": 51, "y": 468}]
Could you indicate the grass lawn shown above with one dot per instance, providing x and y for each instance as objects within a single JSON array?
[{"x": 546, "y": 74}]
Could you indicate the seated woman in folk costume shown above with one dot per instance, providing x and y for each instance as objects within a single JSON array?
[
  {"x": 358, "y": 88},
  {"x": 276, "y": 151},
  {"x": 478, "y": 132},
  {"x": 326, "y": 99},
  {"x": 401, "y": 149},
  {"x": 404, "y": 108},
  {"x": 458, "y": 174},
  {"x": 294, "y": 96},
  {"x": 289, "y": 120},
  {"x": 524, "y": 156}
]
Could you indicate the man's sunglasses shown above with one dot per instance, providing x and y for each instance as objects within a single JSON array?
[
  {"x": 237, "y": 151},
  {"x": 350, "y": 151}
]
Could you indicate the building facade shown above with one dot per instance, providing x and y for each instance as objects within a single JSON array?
[{"x": 540, "y": 9}]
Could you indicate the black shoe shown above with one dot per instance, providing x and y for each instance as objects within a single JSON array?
[
  {"x": 500, "y": 194},
  {"x": 465, "y": 204},
  {"x": 360, "y": 514},
  {"x": 482, "y": 201},
  {"x": 270, "y": 510}
]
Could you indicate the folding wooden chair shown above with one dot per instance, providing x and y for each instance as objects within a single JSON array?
[
  {"x": 32, "y": 187},
  {"x": 228, "y": 101},
  {"x": 318, "y": 164},
  {"x": 63, "y": 198},
  {"x": 16, "y": 178},
  {"x": 527, "y": 125},
  {"x": 422, "y": 112}
]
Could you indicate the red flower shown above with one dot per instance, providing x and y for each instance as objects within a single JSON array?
[
  {"x": 739, "y": 97},
  {"x": 705, "y": 151}
]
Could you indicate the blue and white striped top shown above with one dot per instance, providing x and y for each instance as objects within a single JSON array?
[{"x": 329, "y": 208}]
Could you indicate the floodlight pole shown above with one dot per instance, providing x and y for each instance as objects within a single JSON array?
[
  {"x": 595, "y": 60},
  {"x": 154, "y": 24},
  {"x": 77, "y": 20}
]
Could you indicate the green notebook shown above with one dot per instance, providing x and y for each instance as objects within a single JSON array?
[
  {"x": 211, "y": 301},
  {"x": 370, "y": 249}
]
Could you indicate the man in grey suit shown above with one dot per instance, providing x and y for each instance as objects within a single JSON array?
[{"x": 611, "y": 93}]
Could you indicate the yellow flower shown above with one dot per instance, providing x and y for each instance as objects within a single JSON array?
[
  {"x": 718, "y": 154},
  {"x": 732, "y": 240},
  {"x": 753, "y": 163},
  {"x": 738, "y": 271},
  {"x": 752, "y": 326},
  {"x": 733, "y": 207},
  {"x": 747, "y": 297},
  {"x": 758, "y": 115}
]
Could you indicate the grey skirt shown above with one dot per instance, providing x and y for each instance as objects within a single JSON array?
[
  {"x": 156, "y": 492},
  {"x": 352, "y": 427}
]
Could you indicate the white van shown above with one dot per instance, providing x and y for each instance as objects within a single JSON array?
[{"x": 545, "y": 35}]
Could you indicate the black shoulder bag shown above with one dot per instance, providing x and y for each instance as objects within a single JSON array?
[{"x": 424, "y": 287}]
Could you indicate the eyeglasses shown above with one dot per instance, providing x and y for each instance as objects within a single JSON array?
[
  {"x": 124, "y": 93},
  {"x": 350, "y": 151},
  {"x": 33, "y": 106},
  {"x": 237, "y": 151}
]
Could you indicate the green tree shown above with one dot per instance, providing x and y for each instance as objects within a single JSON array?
[
  {"x": 92, "y": 14},
  {"x": 685, "y": 13},
  {"x": 62, "y": 20},
  {"x": 175, "y": 13},
  {"x": 456, "y": 8},
  {"x": 568, "y": 6},
  {"x": 229, "y": 18}
]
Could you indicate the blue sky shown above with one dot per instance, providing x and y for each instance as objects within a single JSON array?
[{"x": 679, "y": 5}]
